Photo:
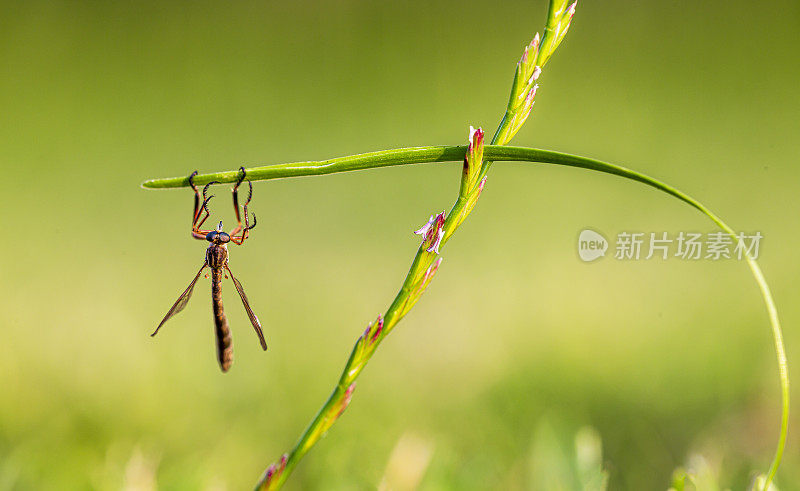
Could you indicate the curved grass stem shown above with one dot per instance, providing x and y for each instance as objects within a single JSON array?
[{"x": 417, "y": 155}]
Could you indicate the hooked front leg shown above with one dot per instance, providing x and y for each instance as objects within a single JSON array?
[
  {"x": 246, "y": 228},
  {"x": 196, "y": 213},
  {"x": 200, "y": 210}
]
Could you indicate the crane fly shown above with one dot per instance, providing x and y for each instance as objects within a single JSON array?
[{"x": 217, "y": 260}]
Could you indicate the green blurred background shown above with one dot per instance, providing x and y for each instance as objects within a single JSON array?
[{"x": 517, "y": 344}]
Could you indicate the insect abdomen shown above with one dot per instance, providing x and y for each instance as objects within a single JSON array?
[{"x": 223, "y": 331}]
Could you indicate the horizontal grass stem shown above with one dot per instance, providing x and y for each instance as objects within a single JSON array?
[{"x": 418, "y": 155}]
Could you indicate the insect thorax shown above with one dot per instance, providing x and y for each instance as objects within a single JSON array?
[{"x": 217, "y": 255}]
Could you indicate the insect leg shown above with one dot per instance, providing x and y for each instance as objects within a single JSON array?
[
  {"x": 197, "y": 232},
  {"x": 196, "y": 214},
  {"x": 243, "y": 229}
]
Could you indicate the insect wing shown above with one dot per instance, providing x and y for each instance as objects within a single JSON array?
[
  {"x": 180, "y": 304},
  {"x": 253, "y": 319}
]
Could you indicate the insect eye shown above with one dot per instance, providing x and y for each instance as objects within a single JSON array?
[
  {"x": 223, "y": 237},
  {"x": 211, "y": 236}
]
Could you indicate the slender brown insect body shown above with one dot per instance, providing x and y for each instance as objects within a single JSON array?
[
  {"x": 223, "y": 331},
  {"x": 217, "y": 260}
]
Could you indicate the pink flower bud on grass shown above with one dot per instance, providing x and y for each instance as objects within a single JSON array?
[
  {"x": 566, "y": 20},
  {"x": 531, "y": 52},
  {"x": 428, "y": 276},
  {"x": 336, "y": 409},
  {"x": 421, "y": 282},
  {"x": 559, "y": 27},
  {"x": 348, "y": 394},
  {"x": 273, "y": 471},
  {"x": 432, "y": 232},
  {"x": 374, "y": 330},
  {"x": 425, "y": 228},
  {"x": 473, "y": 160},
  {"x": 437, "y": 241}
]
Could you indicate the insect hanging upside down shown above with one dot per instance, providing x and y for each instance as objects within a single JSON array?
[{"x": 217, "y": 260}]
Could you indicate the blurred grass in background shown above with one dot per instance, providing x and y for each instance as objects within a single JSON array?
[{"x": 662, "y": 358}]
